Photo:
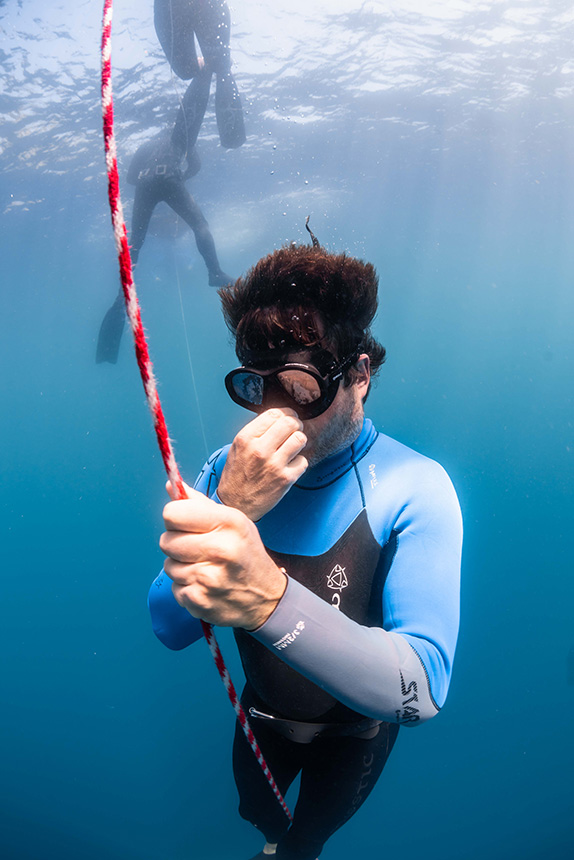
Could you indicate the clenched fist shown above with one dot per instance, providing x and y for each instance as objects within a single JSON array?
[{"x": 218, "y": 565}]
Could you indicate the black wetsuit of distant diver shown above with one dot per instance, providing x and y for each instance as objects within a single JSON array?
[
  {"x": 156, "y": 172},
  {"x": 177, "y": 24}
]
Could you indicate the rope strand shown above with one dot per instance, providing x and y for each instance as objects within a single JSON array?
[{"x": 144, "y": 361}]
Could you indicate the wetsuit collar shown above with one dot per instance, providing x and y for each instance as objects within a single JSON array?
[{"x": 331, "y": 468}]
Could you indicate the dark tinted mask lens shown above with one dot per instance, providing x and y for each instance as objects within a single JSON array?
[
  {"x": 249, "y": 387},
  {"x": 299, "y": 385}
]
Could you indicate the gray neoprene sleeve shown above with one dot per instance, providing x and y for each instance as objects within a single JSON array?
[{"x": 374, "y": 672}]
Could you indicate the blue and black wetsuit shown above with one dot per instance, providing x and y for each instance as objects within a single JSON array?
[{"x": 361, "y": 642}]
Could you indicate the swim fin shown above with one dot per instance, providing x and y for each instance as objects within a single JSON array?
[
  {"x": 111, "y": 331},
  {"x": 229, "y": 112},
  {"x": 219, "y": 279},
  {"x": 191, "y": 112}
]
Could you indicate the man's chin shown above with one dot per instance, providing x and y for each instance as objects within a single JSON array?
[{"x": 311, "y": 458}]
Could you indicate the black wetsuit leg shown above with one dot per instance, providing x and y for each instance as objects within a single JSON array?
[
  {"x": 337, "y": 776},
  {"x": 147, "y": 195},
  {"x": 181, "y": 201},
  {"x": 257, "y": 803},
  {"x": 213, "y": 31},
  {"x": 175, "y": 22},
  {"x": 336, "y": 779}
]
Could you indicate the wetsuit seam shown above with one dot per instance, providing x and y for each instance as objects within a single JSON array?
[
  {"x": 360, "y": 483},
  {"x": 212, "y": 473},
  {"x": 426, "y": 676},
  {"x": 394, "y": 533}
]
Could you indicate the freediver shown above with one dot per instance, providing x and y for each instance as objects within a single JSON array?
[
  {"x": 330, "y": 548},
  {"x": 178, "y": 23},
  {"x": 157, "y": 172}
]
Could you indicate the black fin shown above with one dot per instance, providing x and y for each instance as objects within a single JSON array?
[
  {"x": 111, "y": 331},
  {"x": 229, "y": 112}
]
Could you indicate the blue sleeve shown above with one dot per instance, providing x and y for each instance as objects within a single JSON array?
[
  {"x": 171, "y": 623},
  {"x": 421, "y": 599},
  {"x": 208, "y": 479}
]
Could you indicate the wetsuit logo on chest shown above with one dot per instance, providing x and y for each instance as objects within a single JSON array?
[{"x": 337, "y": 581}]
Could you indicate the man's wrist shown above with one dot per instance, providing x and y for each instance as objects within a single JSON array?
[
  {"x": 272, "y": 601},
  {"x": 238, "y": 504}
]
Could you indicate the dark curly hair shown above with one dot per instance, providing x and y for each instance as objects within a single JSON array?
[{"x": 301, "y": 296}]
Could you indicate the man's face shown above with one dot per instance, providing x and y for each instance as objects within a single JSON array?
[{"x": 328, "y": 432}]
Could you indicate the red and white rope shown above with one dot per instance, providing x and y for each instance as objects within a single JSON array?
[{"x": 144, "y": 361}]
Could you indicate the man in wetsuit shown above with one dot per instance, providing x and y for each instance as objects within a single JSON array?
[
  {"x": 178, "y": 24},
  {"x": 157, "y": 172},
  {"x": 332, "y": 550}
]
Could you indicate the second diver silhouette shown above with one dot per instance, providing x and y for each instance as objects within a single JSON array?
[
  {"x": 156, "y": 171},
  {"x": 178, "y": 23}
]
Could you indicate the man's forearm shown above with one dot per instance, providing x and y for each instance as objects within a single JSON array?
[{"x": 376, "y": 673}]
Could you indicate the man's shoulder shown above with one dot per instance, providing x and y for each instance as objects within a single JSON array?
[
  {"x": 402, "y": 486},
  {"x": 396, "y": 453},
  {"x": 393, "y": 463}
]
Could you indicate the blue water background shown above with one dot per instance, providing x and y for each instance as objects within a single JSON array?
[{"x": 436, "y": 141}]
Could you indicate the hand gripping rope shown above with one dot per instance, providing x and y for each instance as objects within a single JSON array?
[{"x": 144, "y": 361}]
